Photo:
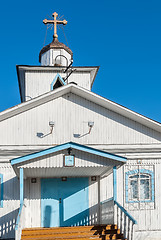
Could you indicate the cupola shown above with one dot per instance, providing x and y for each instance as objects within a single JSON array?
[{"x": 55, "y": 53}]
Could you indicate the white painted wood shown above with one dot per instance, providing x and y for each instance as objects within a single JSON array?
[
  {"x": 50, "y": 58},
  {"x": 8, "y": 213},
  {"x": 38, "y": 82},
  {"x": 61, "y": 172},
  {"x": 71, "y": 114},
  {"x": 33, "y": 204},
  {"x": 148, "y": 217},
  {"x": 82, "y": 159},
  {"x": 32, "y": 196},
  {"x": 85, "y": 94},
  {"x": 25, "y": 129},
  {"x": 94, "y": 197},
  {"x": 106, "y": 188}
]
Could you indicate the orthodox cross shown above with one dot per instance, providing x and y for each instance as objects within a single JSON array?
[{"x": 55, "y": 22}]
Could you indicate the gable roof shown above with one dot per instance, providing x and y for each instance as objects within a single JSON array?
[
  {"x": 64, "y": 146},
  {"x": 84, "y": 93}
]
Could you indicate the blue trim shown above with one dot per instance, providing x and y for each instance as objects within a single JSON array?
[
  {"x": 126, "y": 213},
  {"x": 1, "y": 194},
  {"x": 133, "y": 172},
  {"x": 18, "y": 217},
  {"x": 21, "y": 198},
  {"x": 21, "y": 187},
  {"x": 55, "y": 80},
  {"x": 66, "y": 146},
  {"x": 114, "y": 183}
]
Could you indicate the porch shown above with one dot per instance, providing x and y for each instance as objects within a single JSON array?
[{"x": 83, "y": 179}]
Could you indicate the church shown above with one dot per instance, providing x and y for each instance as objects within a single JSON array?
[{"x": 75, "y": 165}]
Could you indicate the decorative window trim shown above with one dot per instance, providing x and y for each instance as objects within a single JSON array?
[
  {"x": 134, "y": 172},
  {"x": 55, "y": 80},
  {"x": 1, "y": 192}
]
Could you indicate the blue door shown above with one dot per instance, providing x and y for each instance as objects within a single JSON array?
[{"x": 64, "y": 203}]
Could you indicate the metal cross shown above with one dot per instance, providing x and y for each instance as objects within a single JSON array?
[{"x": 55, "y": 22}]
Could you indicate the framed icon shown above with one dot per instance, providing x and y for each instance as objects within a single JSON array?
[{"x": 69, "y": 160}]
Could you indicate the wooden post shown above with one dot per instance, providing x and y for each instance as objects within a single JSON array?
[
  {"x": 21, "y": 187},
  {"x": 114, "y": 183}
]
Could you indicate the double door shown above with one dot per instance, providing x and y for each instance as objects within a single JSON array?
[{"x": 64, "y": 203}]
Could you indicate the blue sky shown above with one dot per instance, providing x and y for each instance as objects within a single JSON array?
[{"x": 122, "y": 37}]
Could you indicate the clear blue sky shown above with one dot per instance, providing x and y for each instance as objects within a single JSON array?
[{"x": 122, "y": 37}]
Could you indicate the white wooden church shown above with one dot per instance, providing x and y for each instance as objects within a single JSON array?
[{"x": 74, "y": 165}]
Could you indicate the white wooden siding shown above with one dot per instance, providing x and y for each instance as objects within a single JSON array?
[
  {"x": 71, "y": 115},
  {"x": 106, "y": 188},
  {"x": 48, "y": 58},
  {"x": 39, "y": 82},
  {"x": 33, "y": 203},
  {"x": 148, "y": 219},
  {"x": 9, "y": 211},
  {"x": 94, "y": 199},
  {"x": 82, "y": 159}
]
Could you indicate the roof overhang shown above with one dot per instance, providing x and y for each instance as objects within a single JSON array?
[{"x": 64, "y": 146}]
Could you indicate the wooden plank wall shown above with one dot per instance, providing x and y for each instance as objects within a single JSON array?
[
  {"x": 82, "y": 159},
  {"x": 38, "y": 82},
  {"x": 11, "y": 203},
  {"x": 33, "y": 203},
  {"x": 71, "y": 115},
  {"x": 148, "y": 215},
  {"x": 48, "y": 58}
]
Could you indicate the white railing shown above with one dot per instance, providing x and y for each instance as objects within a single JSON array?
[
  {"x": 20, "y": 222},
  {"x": 125, "y": 222},
  {"x": 113, "y": 213}
]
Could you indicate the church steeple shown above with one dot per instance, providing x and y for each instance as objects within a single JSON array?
[
  {"x": 55, "y": 53},
  {"x": 56, "y": 69}
]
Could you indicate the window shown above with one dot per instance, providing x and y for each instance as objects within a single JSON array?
[
  {"x": 57, "y": 82},
  {"x": 1, "y": 190},
  {"x": 139, "y": 186}
]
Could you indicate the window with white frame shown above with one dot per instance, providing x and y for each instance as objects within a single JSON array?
[{"x": 139, "y": 186}]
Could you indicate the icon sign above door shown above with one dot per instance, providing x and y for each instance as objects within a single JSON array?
[{"x": 69, "y": 160}]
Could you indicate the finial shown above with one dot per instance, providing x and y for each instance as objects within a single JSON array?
[{"x": 55, "y": 22}]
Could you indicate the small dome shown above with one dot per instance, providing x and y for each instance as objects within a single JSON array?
[{"x": 55, "y": 44}]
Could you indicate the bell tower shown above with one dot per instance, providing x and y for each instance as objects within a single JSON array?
[{"x": 55, "y": 69}]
